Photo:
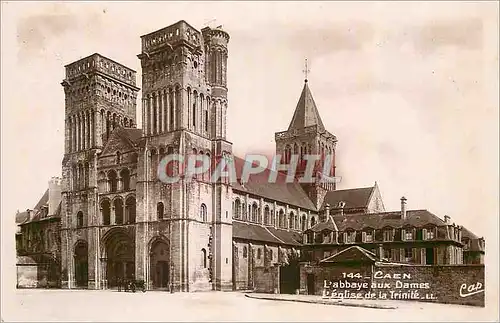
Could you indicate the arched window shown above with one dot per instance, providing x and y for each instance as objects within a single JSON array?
[
  {"x": 296, "y": 221},
  {"x": 125, "y": 175},
  {"x": 204, "y": 257},
  {"x": 195, "y": 99},
  {"x": 291, "y": 220},
  {"x": 254, "y": 212},
  {"x": 160, "y": 209},
  {"x": 87, "y": 174},
  {"x": 281, "y": 219},
  {"x": 113, "y": 181},
  {"x": 304, "y": 223},
  {"x": 266, "y": 215},
  {"x": 130, "y": 209},
  {"x": 106, "y": 212},
  {"x": 203, "y": 212},
  {"x": 118, "y": 157},
  {"x": 313, "y": 221},
  {"x": 259, "y": 253},
  {"x": 118, "y": 204},
  {"x": 245, "y": 251},
  {"x": 79, "y": 219},
  {"x": 237, "y": 209}
]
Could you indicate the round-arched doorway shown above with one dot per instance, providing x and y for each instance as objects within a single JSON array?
[
  {"x": 159, "y": 264},
  {"x": 81, "y": 264},
  {"x": 120, "y": 257}
]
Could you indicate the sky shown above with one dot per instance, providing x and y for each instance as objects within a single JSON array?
[{"x": 410, "y": 89}]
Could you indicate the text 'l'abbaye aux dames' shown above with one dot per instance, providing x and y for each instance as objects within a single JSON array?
[{"x": 110, "y": 219}]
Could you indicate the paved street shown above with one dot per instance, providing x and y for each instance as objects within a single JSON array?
[{"x": 82, "y": 305}]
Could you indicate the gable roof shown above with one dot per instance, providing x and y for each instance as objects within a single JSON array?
[
  {"x": 306, "y": 114},
  {"x": 326, "y": 225},
  {"x": 280, "y": 190},
  {"x": 43, "y": 201},
  {"x": 354, "y": 198},
  {"x": 353, "y": 253},
  {"x": 132, "y": 134},
  {"x": 128, "y": 136}
]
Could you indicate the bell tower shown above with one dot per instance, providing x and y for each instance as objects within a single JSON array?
[
  {"x": 306, "y": 135},
  {"x": 100, "y": 94},
  {"x": 184, "y": 112}
]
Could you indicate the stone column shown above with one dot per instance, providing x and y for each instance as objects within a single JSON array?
[
  {"x": 144, "y": 116},
  {"x": 164, "y": 111},
  {"x": 158, "y": 113},
  {"x": 151, "y": 115},
  {"x": 174, "y": 107},
  {"x": 167, "y": 110},
  {"x": 261, "y": 211},
  {"x": 84, "y": 130},
  {"x": 92, "y": 128},
  {"x": 112, "y": 215}
]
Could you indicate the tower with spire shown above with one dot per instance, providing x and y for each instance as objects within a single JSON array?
[{"x": 306, "y": 135}]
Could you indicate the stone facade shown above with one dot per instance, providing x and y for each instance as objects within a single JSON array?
[{"x": 118, "y": 221}]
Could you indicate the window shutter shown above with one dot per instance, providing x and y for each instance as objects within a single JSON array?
[
  {"x": 424, "y": 234},
  {"x": 363, "y": 236},
  {"x": 403, "y": 234}
]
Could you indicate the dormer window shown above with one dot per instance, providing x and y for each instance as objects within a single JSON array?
[
  {"x": 368, "y": 236},
  {"x": 388, "y": 235}
]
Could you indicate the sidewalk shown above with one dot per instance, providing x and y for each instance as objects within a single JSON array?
[{"x": 315, "y": 299}]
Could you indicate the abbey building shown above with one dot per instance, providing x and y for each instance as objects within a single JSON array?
[{"x": 110, "y": 217}]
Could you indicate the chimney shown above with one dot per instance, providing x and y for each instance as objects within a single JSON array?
[
  {"x": 341, "y": 207},
  {"x": 447, "y": 219},
  {"x": 30, "y": 214},
  {"x": 54, "y": 194},
  {"x": 403, "y": 208}
]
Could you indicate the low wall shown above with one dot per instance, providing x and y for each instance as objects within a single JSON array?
[
  {"x": 266, "y": 279},
  {"x": 452, "y": 284}
]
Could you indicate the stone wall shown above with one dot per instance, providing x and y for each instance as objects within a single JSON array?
[
  {"x": 454, "y": 284},
  {"x": 266, "y": 279},
  {"x": 450, "y": 284}
]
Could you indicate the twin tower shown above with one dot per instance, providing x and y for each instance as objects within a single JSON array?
[{"x": 119, "y": 221}]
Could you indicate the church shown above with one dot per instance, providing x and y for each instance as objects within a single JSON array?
[{"x": 110, "y": 218}]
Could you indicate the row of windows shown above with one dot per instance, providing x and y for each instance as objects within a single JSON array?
[
  {"x": 111, "y": 182},
  {"x": 370, "y": 235},
  {"x": 253, "y": 214},
  {"x": 124, "y": 213}
]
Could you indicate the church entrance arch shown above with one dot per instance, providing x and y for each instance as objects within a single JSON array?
[
  {"x": 81, "y": 264},
  {"x": 159, "y": 256},
  {"x": 119, "y": 250}
]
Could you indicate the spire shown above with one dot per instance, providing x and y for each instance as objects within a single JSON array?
[{"x": 306, "y": 114}]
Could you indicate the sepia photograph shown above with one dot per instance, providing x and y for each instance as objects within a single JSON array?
[{"x": 249, "y": 161}]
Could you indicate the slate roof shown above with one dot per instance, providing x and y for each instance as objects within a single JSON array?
[
  {"x": 132, "y": 134},
  {"x": 414, "y": 218},
  {"x": 256, "y": 232},
  {"x": 280, "y": 190},
  {"x": 21, "y": 217},
  {"x": 353, "y": 198},
  {"x": 43, "y": 200},
  {"x": 474, "y": 240},
  {"x": 306, "y": 114}
]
